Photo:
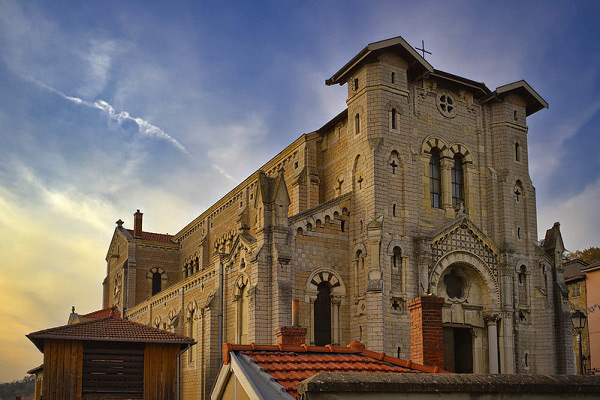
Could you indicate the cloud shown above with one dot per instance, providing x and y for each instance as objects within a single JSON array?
[
  {"x": 122, "y": 118},
  {"x": 578, "y": 215}
]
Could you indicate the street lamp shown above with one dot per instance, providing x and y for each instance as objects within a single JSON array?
[{"x": 579, "y": 319}]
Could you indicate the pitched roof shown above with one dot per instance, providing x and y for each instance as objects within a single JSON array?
[
  {"x": 108, "y": 329},
  {"x": 398, "y": 42},
  {"x": 288, "y": 365},
  {"x": 154, "y": 237},
  {"x": 105, "y": 312}
]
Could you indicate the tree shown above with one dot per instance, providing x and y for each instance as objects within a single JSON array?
[{"x": 589, "y": 255}]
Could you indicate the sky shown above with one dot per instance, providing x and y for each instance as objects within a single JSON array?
[{"x": 107, "y": 107}]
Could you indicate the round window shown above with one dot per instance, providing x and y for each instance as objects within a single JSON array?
[{"x": 446, "y": 104}]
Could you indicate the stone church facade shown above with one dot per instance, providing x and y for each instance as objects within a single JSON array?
[{"x": 420, "y": 186}]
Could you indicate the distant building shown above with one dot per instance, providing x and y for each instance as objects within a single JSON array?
[
  {"x": 592, "y": 283},
  {"x": 575, "y": 279},
  {"x": 421, "y": 185}
]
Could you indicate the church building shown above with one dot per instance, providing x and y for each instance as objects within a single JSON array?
[{"x": 420, "y": 186}]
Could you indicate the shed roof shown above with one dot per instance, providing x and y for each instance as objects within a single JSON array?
[{"x": 108, "y": 329}]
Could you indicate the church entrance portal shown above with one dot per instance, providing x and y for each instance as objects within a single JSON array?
[{"x": 458, "y": 350}]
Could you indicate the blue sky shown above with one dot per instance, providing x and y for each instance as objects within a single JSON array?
[{"x": 106, "y": 107}]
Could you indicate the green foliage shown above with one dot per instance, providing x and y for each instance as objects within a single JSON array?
[
  {"x": 589, "y": 255},
  {"x": 25, "y": 388}
]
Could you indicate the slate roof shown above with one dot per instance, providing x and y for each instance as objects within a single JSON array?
[
  {"x": 108, "y": 329},
  {"x": 154, "y": 237},
  {"x": 291, "y": 364}
]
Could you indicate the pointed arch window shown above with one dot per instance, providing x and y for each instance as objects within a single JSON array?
[
  {"x": 458, "y": 181},
  {"x": 243, "y": 317},
  {"x": 435, "y": 178},
  {"x": 394, "y": 113},
  {"x": 322, "y": 312},
  {"x": 357, "y": 123}
]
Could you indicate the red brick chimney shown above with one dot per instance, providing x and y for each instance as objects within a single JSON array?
[
  {"x": 137, "y": 224},
  {"x": 426, "y": 334},
  {"x": 295, "y": 334}
]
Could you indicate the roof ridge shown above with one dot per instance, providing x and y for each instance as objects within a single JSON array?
[
  {"x": 354, "y": 347},
  {"x": 77, "y": 324}
]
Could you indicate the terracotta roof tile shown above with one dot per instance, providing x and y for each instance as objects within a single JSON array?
[
  {"x": 109, "y": 329},
  {"x": 290, "y": 364},
  {"x": 154, "y": 237},
  {"x": 105, "y": 312}
]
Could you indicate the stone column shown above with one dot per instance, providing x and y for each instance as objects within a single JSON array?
[
  {"x": 446, "y": 164},
  {"x": 335, "y": 316},
  {"x": 494, "y": 366}
]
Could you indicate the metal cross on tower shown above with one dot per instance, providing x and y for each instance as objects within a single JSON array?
[{"x": 422, "y": 49}]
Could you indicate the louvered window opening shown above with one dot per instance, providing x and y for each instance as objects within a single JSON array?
[{"x": 115, "y": 372}]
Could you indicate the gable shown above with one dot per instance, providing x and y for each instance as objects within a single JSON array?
[{"x": 463, "y": 235}]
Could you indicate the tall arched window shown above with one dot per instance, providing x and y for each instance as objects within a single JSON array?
[
  {"x": 458, "y": 181},
  {"x": 323, "y": 314},
  {"x": 397, "y": 258},
  {"x": 435, "y": 178},
  {"x": 243, "y": 317},
  {"x": 522, "y": 277},
  {"x": 357, "y": 123},
  {"x": 156, "y": 283},
  {"x": 192, "y": 328}
]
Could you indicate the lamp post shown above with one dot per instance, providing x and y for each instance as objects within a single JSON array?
[{"x": 579, "y": 319}]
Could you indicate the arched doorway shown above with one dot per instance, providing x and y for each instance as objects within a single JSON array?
[
  {"x": 470, "y": 291},
  {"x": 323, "y": 314}
]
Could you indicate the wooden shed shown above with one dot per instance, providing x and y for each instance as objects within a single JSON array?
[{"x": 109, "y": 358}]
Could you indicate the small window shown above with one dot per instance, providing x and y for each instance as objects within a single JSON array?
[
  {"x": 515, "y": 116},
  {"x": 342, "y": 225},
  {"x": 357, "y": 123},
  {"x": 393, "y": 118},
  {"x": 355, "y": 83},
  {"x": 517, "y": 152},
  {"x": 393, "y": 77},
  {"x": 394, "y": 210}
]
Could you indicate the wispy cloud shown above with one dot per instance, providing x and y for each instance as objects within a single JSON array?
[{"x": 144, "y": 127}]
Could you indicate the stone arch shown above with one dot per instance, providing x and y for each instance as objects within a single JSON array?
[
  {"x": 158, "y": 270},
  {"x": 464, "y": 257},
  {"x": 432, "y": 142},
  {"x": 360, "y": 247},
  {"x": 394, "y": 110},
  {"x": 337, "y": 292},
  {"x": 459, "y": 148},
  {"x": 328, "y": 275},
  {"x": 241, "y": 282},
  {"x": 392, "y": 244}
]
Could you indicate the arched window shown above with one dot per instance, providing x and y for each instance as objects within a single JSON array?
[
  {"x": 397, "y": 258},
  {"x": 394, "y": 118},
  {"x": 191, "y": 332},
  {"x": 522, "y": 277},
  {"x": 357, "y": 123},
  {"x": 243, "y": 317},
  {"x": 458, "y": 184},
  {"x": 322, "y": 312},
  {"x": 435, "y": 178},
  {"x": 156, "y": 283},
  {"x": 517, "y": 152}
]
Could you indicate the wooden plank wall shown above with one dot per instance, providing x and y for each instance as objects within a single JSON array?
[
  {"x": 63, "y": 363},
  {"x": 160, "y": 371}
]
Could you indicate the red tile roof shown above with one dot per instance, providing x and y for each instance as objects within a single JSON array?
[
  {"x": 291, "y": 364},
  {"x": 154, "y": 237},
  {"x": 114, "y": 311},
  {"x": 108, "y": 329}
]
